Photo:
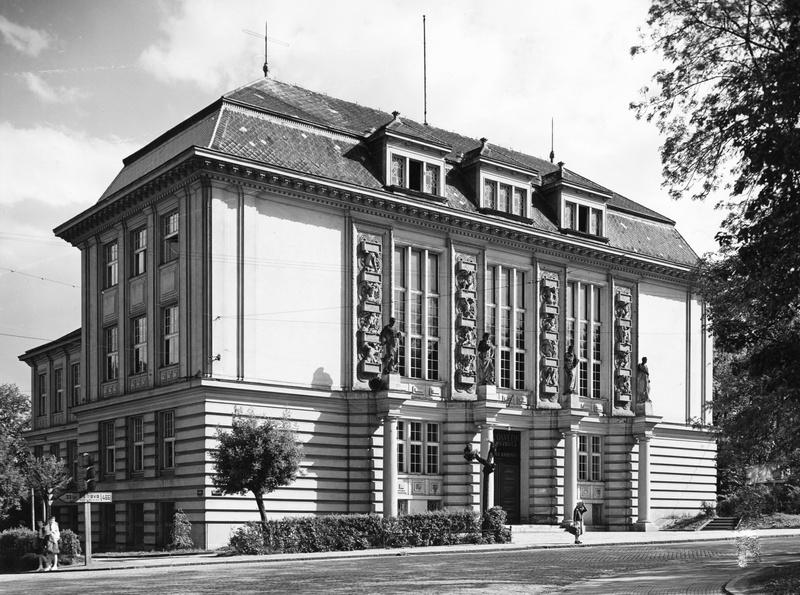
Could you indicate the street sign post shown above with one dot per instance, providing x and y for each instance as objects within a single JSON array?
[
  {"x": 69, "y": 498},
  {"x": 94, "y": 498},
  {"x": 87, "y": 499}
]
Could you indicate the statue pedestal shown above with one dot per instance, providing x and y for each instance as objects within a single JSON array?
[
  {"x": 645, "y": 526},
  {"x": 571, "y": 401},
  {"x": 488, "y": 392},
  {"x": 392, "y": 382}
]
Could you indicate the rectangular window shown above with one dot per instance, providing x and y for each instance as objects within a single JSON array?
[
  {"x": 167, "y": 439},
  {"x": 583, "y": 218},
  {"x": 421, "y": 441},
  {"x": 55, "y": 451},
  {"x": 58, "y": 393},
  {"x": 401, "y": 446},
  {"x": 136, "y": 456},
  {"x": 584, "y": 332},
  {"x": 416, "y": 310},
  {"x": 504, "y": 197},
  {"x": 415, "y": 174},
  {"x": 139, "y": 253},
  {"x": 590, "y": 457},
  {"x": 108, "y": 447},
  {"x": 111, "y": 262},
  {"x": 169, "y": 237},
  {"x": 139, "y": 339},
  {"x": 489, "y": 194},
  {"x": 520, "y": 198},
  {"x": 169, "y": 355},
  {"x": 75, "y": 388},
  {"x": 111, "y": 349},
  {"x": 41, "y": 390},
  {"x": 505, "y": 323}
]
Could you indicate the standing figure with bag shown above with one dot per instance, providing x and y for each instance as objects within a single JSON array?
[{"x": 577, "y": 520}]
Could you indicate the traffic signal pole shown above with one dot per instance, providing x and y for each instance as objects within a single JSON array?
[{"x": 87, "y": 528}]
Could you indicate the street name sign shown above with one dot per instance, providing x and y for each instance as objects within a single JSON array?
[
  {"x": 68, "y": 497},
  {"x": 95, "y": 497}
]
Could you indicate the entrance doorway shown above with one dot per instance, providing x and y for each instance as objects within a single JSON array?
[{"x": 506, "y": 474}]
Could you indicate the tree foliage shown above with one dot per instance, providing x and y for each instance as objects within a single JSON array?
[
  {"x": 15, "y": 411},
  {"x": 258, "y": 457},
  {"x": 728, "y": 107},
  {"x": 49, "y": 477}
]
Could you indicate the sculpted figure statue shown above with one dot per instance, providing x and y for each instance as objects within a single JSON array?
[
  {"x": 643, "y": 380},
  {"x": 571, "y": 362},
  {"x": 486, "y": 359},
  {"x": 390, "y": 341}
]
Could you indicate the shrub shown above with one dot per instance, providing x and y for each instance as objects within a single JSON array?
[
  {"x": 249, "y": 539},
  {"x": 355, "y": 532},
  {"x": 748, "y": 501},
  {"x": 15, "y": 544},
  {"x": 493, "y": 526},
  {"x": 708, "y": 509},
  {"x": 69, "y": 547},
  {"x": 180, "y": 535}
]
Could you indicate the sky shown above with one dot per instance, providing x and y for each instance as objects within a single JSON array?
[{"x": 84, "y": 83}]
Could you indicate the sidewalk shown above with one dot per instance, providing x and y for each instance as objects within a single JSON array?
[{"x": 520, "y": 541}]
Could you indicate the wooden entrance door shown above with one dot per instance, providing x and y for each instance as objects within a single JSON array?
[{"x": 506, "y": 474}]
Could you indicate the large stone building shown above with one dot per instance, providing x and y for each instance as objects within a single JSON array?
[{"x": 251, "y": 256}]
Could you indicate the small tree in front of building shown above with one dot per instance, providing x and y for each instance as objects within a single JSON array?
[
  {"x": 49, "y": 478},
  {"x": 256, "y": 456},
  {"x": 180, "y": 535}
]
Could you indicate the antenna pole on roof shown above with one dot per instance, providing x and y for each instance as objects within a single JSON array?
[
  {"x": 552, "y": 151},
  {"x": 424, "y": 73},
  {"x": 266, "y": 63}
]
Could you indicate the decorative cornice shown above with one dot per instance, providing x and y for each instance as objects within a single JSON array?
[{"x": 198, "y": 163}]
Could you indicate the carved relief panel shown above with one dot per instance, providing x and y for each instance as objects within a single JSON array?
[
  {"x": 622, "y": 350},
  {"x": 548, "y": 339},
  {"x": 465, "y": 321},
  {"x": 368, "y": 316}
]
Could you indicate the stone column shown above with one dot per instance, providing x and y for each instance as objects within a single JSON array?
[
  {"x": 570, "y": 473},
  {"x": 487, "y": 482},
  {"x": 389, "y": 466},
  {"x": 644, "y": 481}
]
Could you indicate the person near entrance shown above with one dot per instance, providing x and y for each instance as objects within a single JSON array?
[{"x": 577, "y": 520}]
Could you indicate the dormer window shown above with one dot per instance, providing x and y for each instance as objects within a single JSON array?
[
  {"x": 504, "y": 198},
  {"x": 583, "y": 218},
  {"x": 415, "y": 174}
]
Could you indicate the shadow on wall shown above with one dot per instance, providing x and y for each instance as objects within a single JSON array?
[{"x": 321, "y": 379}]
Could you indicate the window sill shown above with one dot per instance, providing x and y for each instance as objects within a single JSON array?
[
  {"x": 505, "y": 214},
  {"x": 415, "y": 193},
  {"x": 583, "y": 234}
]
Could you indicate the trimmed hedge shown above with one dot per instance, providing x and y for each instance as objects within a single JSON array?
[
  {"x": 364, "y": 531},
  {"x": 19, "y": 548}
]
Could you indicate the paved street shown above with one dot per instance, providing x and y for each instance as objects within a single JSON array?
[{"x": 702, "y": 567}]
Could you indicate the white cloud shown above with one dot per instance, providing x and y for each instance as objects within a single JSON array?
[
  {"x": 204, "y": 44},
  {"x": 56, "y": 166},
  {"x": 49, "y": 94},
  {"x": 23, "y": 39}
]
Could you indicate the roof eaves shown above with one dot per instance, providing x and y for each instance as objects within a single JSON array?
[{"x": 71, "y": 337}]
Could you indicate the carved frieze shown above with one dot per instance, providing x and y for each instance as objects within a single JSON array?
[
  {"x": 622, "y": 350},
  {"x": 465, "y": 321},
  {"x": 548, "y": 339},
  {"x": 370, "y": 294}
]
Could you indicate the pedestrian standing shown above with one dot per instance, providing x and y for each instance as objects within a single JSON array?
[
  {"x": 53, "y": 535},
  {"x": 577, "y": 520}
]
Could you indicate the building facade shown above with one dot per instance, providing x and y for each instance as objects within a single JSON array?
[{"x": 254, "y": 257}]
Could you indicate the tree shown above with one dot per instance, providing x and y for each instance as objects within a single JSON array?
[
  {"x": 728, "y": 107},
  {"x": 49, "y": 478},
  {"x": 180, "y": 535},
  {"x": 256, "y": 457},
  {"x": 15, "y": 411}
]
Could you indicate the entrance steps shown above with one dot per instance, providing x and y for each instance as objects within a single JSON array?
[{"x": 721, "y": 523}]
